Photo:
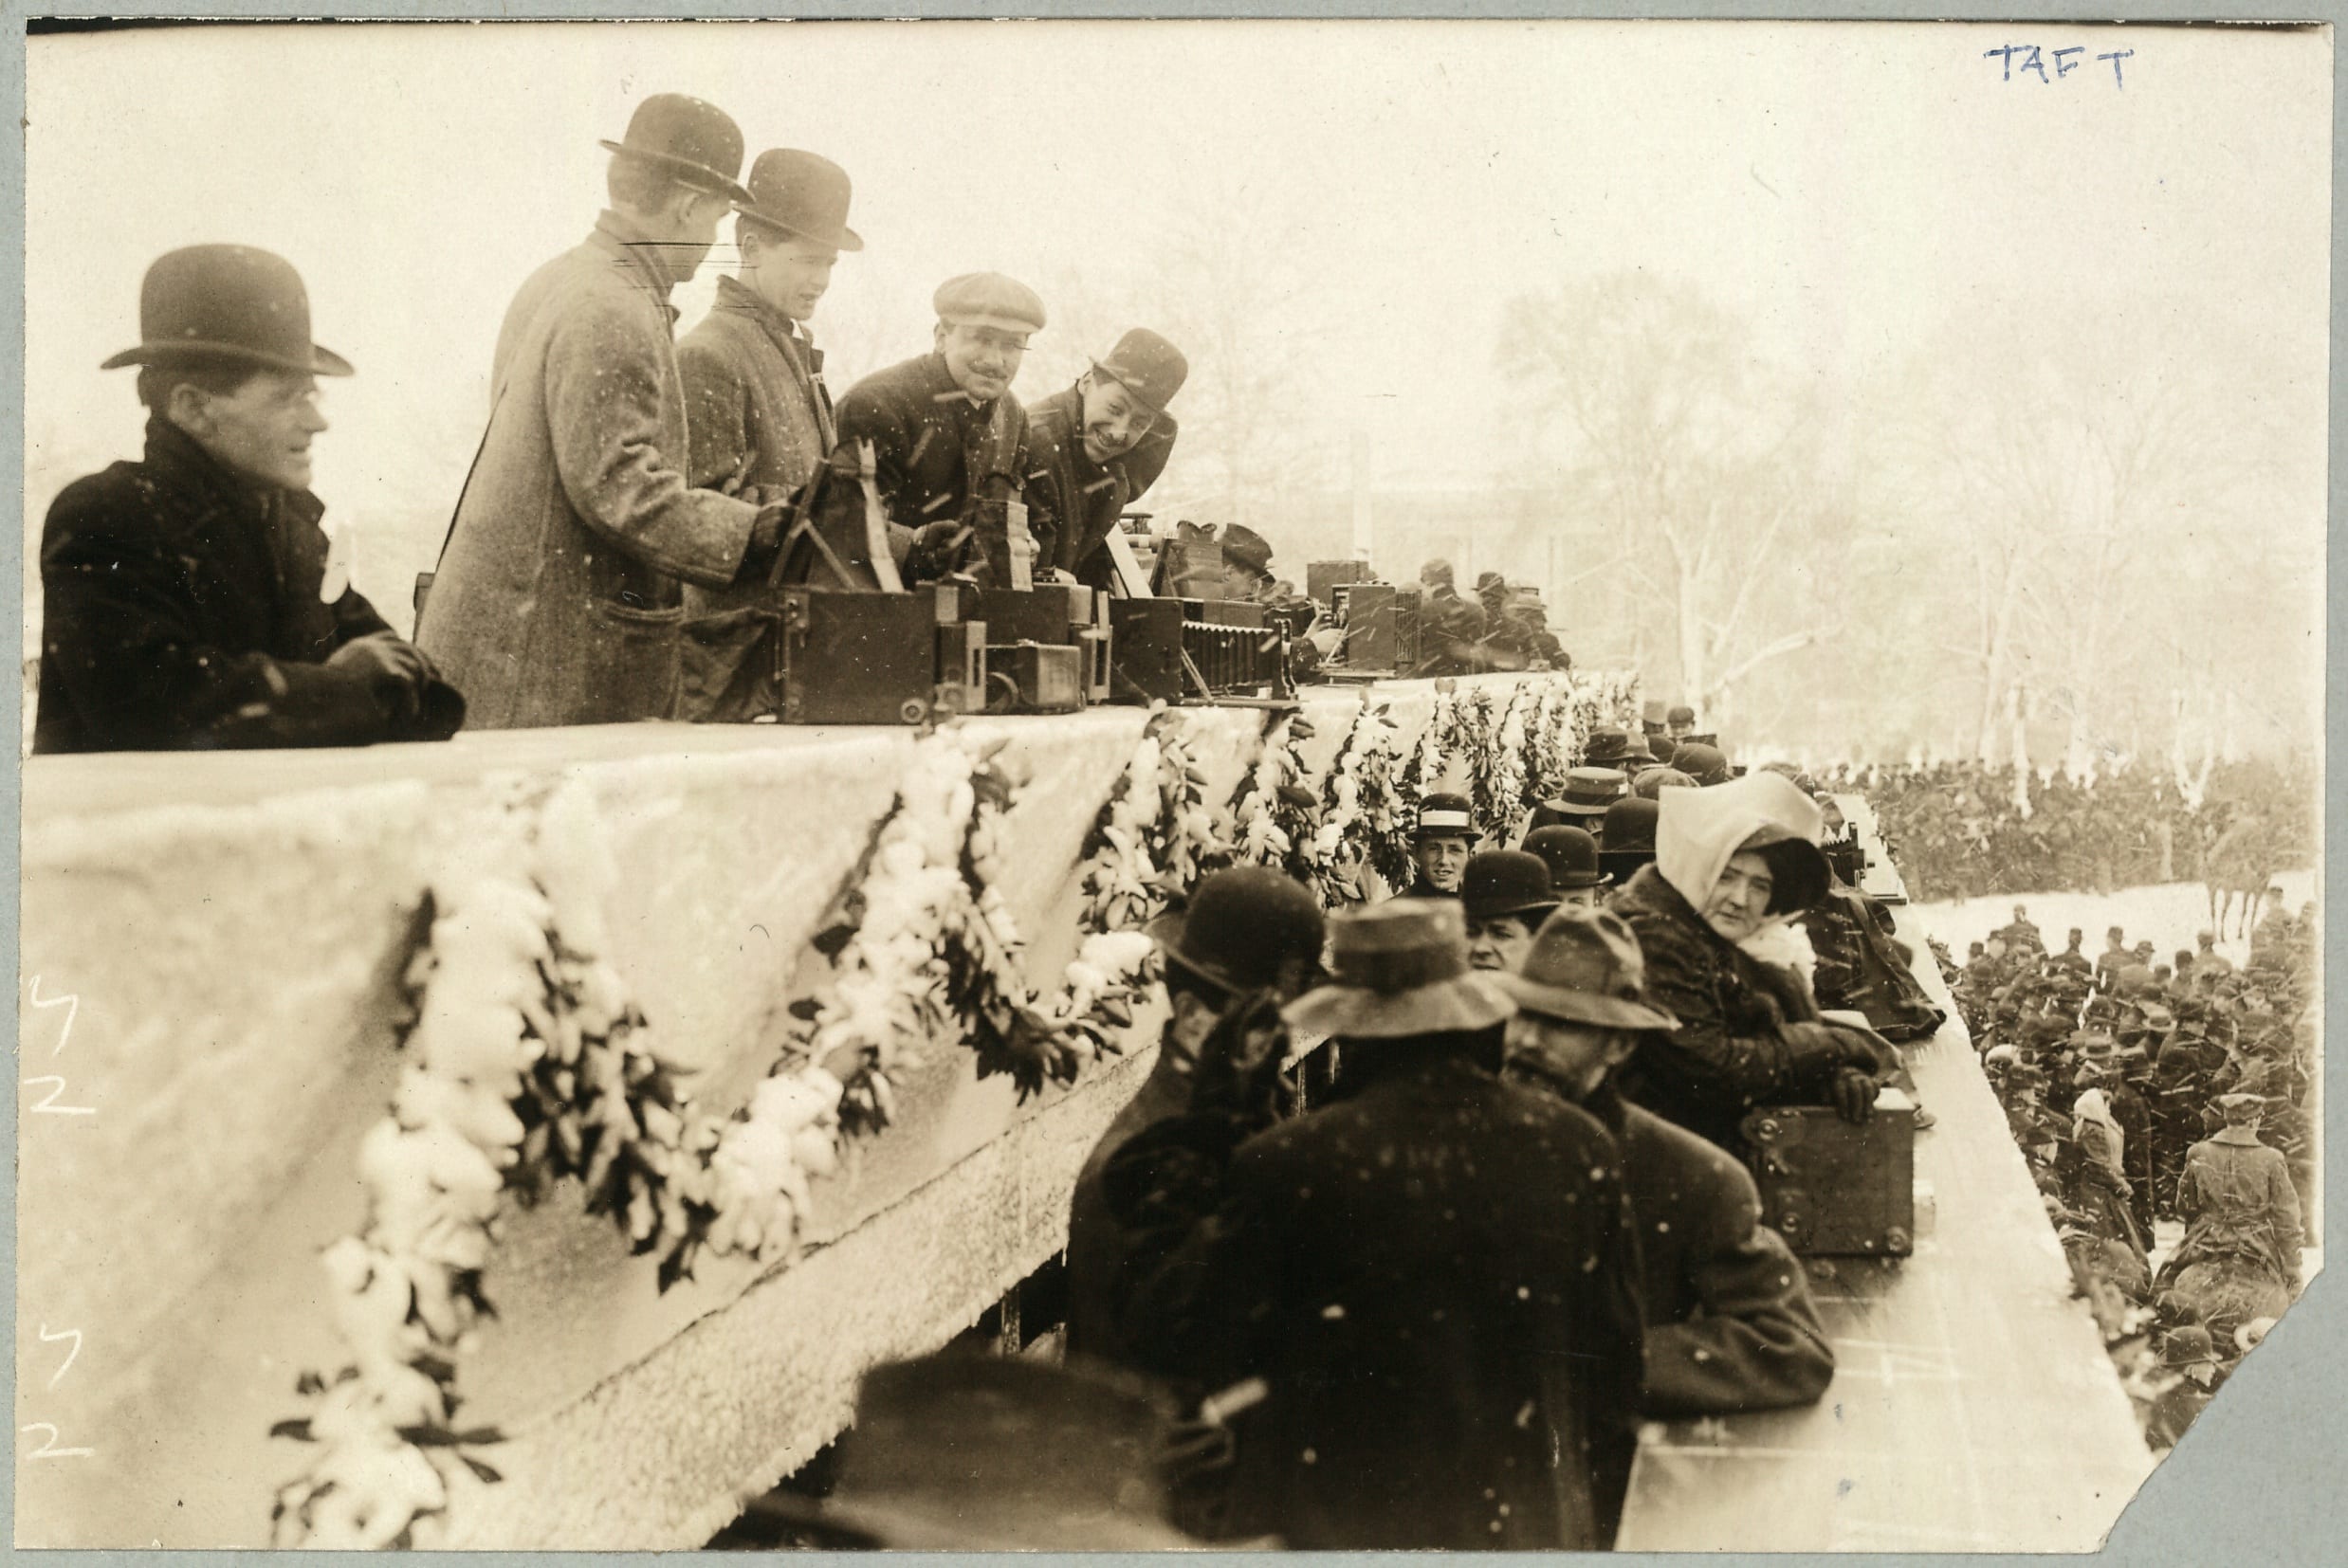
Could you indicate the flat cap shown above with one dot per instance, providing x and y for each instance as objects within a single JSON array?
[{"x": 989, "y": 298}]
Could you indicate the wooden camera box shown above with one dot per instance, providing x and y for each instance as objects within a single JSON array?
[
  {"x": 1372, "y": 613},
  {"x": 852, "y": 658},
  {"x": 1034, "y": 677},
  {"x": 1146, "y": 650},
  {"x": 1833, "y": 1189},
  {"x": 1322, "y": 578}
]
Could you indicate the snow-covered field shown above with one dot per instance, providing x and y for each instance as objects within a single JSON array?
[{"x": 2169, "y": 914}]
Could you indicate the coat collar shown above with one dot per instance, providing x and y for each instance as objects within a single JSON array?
[
  {"x": 2247, "y": 1136},
  {"x": 615, "y": 236},
  {"x": 180, "y": 459}
]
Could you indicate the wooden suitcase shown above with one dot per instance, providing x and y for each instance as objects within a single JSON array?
[{"x": 1832, "y": 1189}]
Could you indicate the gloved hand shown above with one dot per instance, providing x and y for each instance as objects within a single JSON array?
[
  {"x": 1818, "y": 1046},
  {"x": 392, "y": 664},
  {"x": 1853, "y": 1094}
]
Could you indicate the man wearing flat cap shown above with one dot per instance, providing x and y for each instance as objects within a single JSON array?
[
  {"x": 1248, "y": 931},
  {"x": 1098, "y": 446},
  {"x": 1433, "y": 1274},
  {"x": 189, "y": 598},
  {"x": 560, "y": 597},
  {"x": 758, "y": 414},
  {"x": 1730, "y": 1321},
  {"x": 950, "y": 442}
]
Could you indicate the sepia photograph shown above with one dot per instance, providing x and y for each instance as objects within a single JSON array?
[{"x": 1162, "y": 785}]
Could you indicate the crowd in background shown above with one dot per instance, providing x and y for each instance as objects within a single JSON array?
[
  {"x": 1958, "y": 831},
  {"x": 2174, "y": 1094}
]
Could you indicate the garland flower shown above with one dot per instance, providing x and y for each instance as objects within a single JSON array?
[
  {"x": 1357, "y": 809},
  {"x": 1548, "y": 747},
  {"x": 406, "y": 1290},
  {"x": 1502, "y": 802},
  {"x": 1274, "y": 812},
  {"x": 1418, "y": 775},
  {"x": 1120, "y": 879}
]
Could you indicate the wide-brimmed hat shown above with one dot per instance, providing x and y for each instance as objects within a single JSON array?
[
  {"x": 1249, "y": 928},
  {"x": 1444, "y": 812},
  {"x": 989, "y": 300},
  {"x": 226, "y": 302},
  {"x": 1610, "y": 746},
  {"x": 1505, "y": 882},
  {"x": 1147, "y": 366},
  {"x": 2187, "y": 1345},
  {"x": 1592, "y": 791},
  {"x": 1570, "y": 854},
  {"x": 1399, "y": 969},
  {"x": 697, "y": 143},
  {"x": 961, "y": 1451},
  {"x": 1585, "y": 967},
  {"x": 801, "y": 194},
  {"x": 1244, "y": 547}
]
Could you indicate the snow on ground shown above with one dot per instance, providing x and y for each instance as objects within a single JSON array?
[{"x": 2171, "y": 914}]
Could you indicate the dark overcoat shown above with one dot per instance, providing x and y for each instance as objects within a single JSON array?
[
  {"x": 1729, "y": 1053},
  {"x": 1731, "y": 1326},
  {"x": 559, "y": 599},
  {"x": 1098, "y": 1243},
  {"x": 932, "y": 461},
  {"x": 180, "y": 607},
  {"x": 1437, "y": 1278},
  {"x": 1083, "y": 500}
]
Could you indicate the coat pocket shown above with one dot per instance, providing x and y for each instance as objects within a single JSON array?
[
  {"x": 629, "y": 666},
  {"x": 729, "y": 666}
]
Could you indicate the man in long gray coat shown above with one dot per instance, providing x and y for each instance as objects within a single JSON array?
[
  {"x": 557, "y": 598},
  {"x": 759, "y": 414}
]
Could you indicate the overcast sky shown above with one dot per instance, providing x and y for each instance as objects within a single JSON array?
[{"x": 1856, "y": 189}]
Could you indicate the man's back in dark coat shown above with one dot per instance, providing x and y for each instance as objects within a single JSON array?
[
  {"x": 181, "y": 610},
  {"x": 1436, "y": 1276}
]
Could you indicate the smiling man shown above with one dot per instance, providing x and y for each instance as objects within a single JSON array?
[
  {"x": 949, "y": 441},
  {"x": 188, "y": 597},
  {"x": 1099, "y": 444}
]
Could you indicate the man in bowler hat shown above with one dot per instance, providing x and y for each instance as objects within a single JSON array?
[
  {"x": 758, "y": 414},
  {"x": 950, "y": 444},
  {"x": 1247, "y": 931},
  {"x": 1433, "y": 1274},
  {"x": 1505, "y": 895},
  {"x": 559, "y": 594},
  {"x": 1571, "y": 856},
  {"x": 1731, "y": 1326},
  {"x": 1098, "y": 446},
  {"x": 188, "y": 597}
]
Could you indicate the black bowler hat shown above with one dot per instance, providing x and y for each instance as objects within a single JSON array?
[
  {"x": 1147, "y": 366},
  {"x": 1247, "y": 929},
  {"x": 802, "y": 195},
  {"x": 696, "y": 142},
  {"x": 226, "y": 302},
  {"x": 1570, "y": 854},
  {"x": 1505, "y": 882}
]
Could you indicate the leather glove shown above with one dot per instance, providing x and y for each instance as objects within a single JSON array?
[
  {"x": 1817, "y": 1048},
  {"x": 1853, "y": 1095},
  {"x": 390, "y": 664}
]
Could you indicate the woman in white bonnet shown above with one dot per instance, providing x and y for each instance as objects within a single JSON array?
[{"x": 1733, "y": 864}]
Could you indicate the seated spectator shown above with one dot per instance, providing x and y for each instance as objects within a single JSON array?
[
  {"x": 1729, "y": 1322},
  {"x": 189, "y": 597},
  {"x": 1734, "y": 862}
]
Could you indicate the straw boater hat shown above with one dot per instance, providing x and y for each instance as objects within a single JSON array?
[
  {"x": 1398, "y": 968},
  {"x": 1443, "y": 813}
]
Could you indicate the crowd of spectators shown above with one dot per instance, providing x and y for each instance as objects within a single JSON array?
[
  {"x": 2153, "y": 1098},
  {"x": 1958, "y": 829}
]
